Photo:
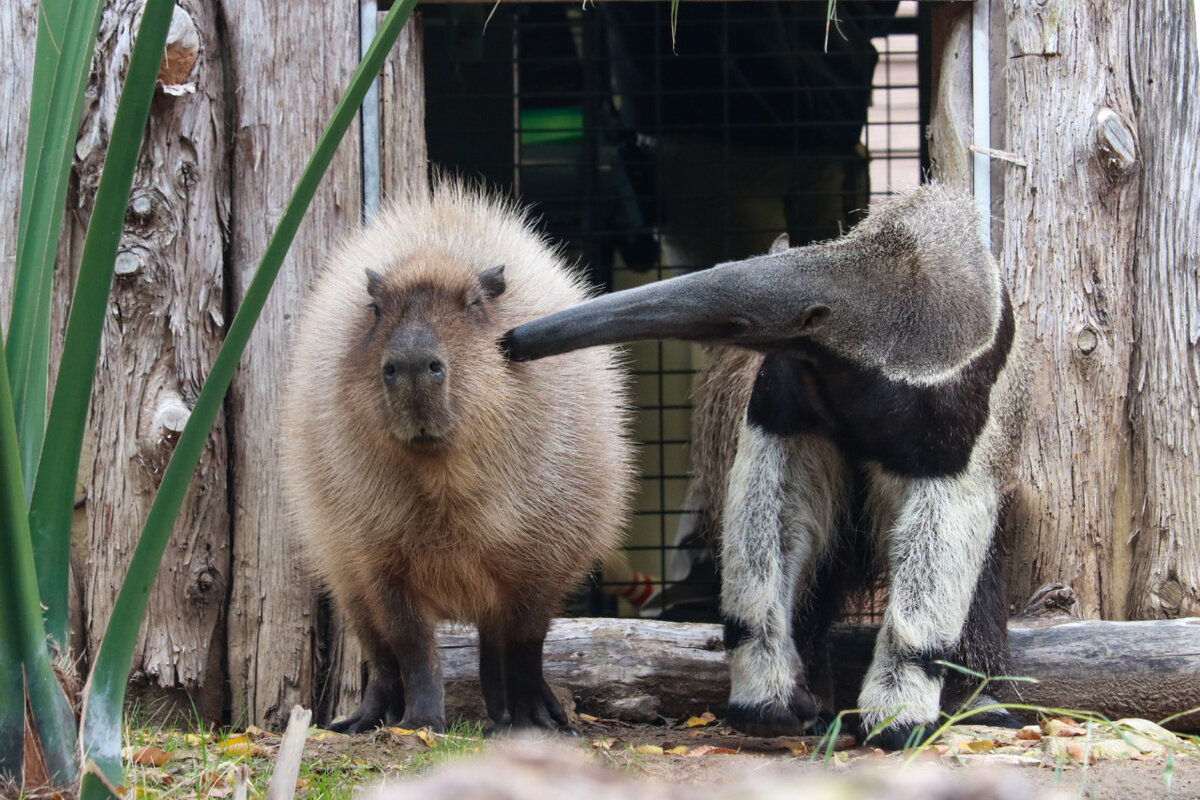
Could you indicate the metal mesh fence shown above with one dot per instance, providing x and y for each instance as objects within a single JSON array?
[{"x": 646, "y": 157}]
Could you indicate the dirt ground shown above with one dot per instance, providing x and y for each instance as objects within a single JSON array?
[
  {"x": 689, "y": 759},
  {"x": 686, "y": 762}
]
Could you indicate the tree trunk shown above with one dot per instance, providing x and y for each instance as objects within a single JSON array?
[
  {"x": 1166, "y": 370},
  {"x": 165, "y": 323},
  {"x": 290, "y": 64},
  {"x": 1068, "y": 244}
]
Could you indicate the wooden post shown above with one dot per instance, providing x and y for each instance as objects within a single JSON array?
[
  {"x": 18, "y": 30},
  {"x": 950, "y": 125},
  {"x": 1165, "y": 395},
  {"x": 165, "y": 322},
  {"x": 290, "y": 64},
  {"x": 1069, "y": 243}
]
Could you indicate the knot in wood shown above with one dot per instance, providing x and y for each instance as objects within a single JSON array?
[
  {"x": 180, "y": 55},
  {"x": 127, "y": 263},
  {"x": 172, "y": 413},
  {"x": 1116, "y": 143},
  {"x": 1087, "y": 340},
  {"x": 1170, "y": 597},
  {"x": 141, "y": 205},
  {"x": 204, "y": 582}
]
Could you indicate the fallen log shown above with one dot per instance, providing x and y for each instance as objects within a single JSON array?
[{"x": 640, "y": 670}]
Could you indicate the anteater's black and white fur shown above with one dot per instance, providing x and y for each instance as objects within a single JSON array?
[{"x": 879, "y": 429}]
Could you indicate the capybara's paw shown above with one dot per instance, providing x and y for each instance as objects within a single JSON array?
[
  {"x": 364, "y": 718},
  {"x": 414, "y": 720},
  {"x": 537, "y": 709}
]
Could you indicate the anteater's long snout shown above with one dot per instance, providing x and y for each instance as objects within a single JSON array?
[{"x": 739, "y": 302}]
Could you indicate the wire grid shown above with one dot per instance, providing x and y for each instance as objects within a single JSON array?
[{"x": 645, "y": 163}]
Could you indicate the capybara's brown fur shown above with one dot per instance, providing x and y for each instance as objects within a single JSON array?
[{"x": 432, "y": 480}]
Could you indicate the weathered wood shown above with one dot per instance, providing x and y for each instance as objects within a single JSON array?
[
  {"x": 1067, "y": 248},
  {"x": 289, "y": 67},
  {"x": 950, "y": 126},
  {"x": 1165, "y": 402},
  {"x": 165, "y": 322},
  {"x": 18, "y": 29},
  {"x": 639, "y": 669},
  {"x": 404, "y": 168}
]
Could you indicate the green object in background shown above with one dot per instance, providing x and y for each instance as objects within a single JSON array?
[{"x": 551, "y": 125}]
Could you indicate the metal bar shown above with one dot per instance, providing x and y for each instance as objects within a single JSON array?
[
  {"x": 372, "y": 167},
  {"x": 981, "y": 128}
]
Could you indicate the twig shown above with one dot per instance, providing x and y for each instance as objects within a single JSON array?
[
  {"x": 291, "y": 750},
  {"x": 999, "y": 155}
]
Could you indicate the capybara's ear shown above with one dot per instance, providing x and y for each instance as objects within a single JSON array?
[
  {"x": 492, "y": 283},
  {"x": 374, "y": 283}
]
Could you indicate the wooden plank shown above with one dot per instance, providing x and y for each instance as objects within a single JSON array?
[
  {"x": 1068, "y": 242},
  {"x": 287, "y": 80},
  {"x": 1164, "y": 141},
  {"x": 165, "y": 323},
  {"x": 950, "y": 126}
]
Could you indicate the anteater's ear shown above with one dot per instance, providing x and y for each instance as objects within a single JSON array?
[
  {"x": 491, "y": 283},
  {"x": 781, "y": 243},
  {"x": 812, "y": 317},
  {"x": 374, "y": 283}
]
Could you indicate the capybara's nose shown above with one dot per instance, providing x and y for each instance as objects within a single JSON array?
[{"x": 417, "y": 368}]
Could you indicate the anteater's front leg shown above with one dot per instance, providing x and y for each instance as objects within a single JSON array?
[
  {"x": 936, "y": 548},
  {"x": 780, "y": 514}
]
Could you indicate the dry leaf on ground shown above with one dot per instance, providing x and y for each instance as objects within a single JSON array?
[
  {"x": 710, "y": 750},
  {"x": 241, "y": 745},
  {"x": 150, "y": 756}
]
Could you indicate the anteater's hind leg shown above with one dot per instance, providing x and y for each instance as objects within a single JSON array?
[
  {"x": 785, "y": 497},
  {"x": 848, "y": 567},
  {"x": 518, "y": 638},
  {"x": 936, "y": 546}
]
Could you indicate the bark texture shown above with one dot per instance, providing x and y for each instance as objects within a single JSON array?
[
  {"x": 1068, "y": 246},
  {"x": 165, "y": 323},
  {"x": 1165, "y": 395},
  {"x": 950, "y": 118},
  {"x": 18, "y": 28},
  {"x": 289, "y": 67}
]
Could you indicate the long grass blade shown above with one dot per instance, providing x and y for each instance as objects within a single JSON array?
[
  {"x": 66, "y": 39},
  {"x": 105, "y": 694},
  {"x": 24, "y": 656},
  {"x": 50, "y": 511}
]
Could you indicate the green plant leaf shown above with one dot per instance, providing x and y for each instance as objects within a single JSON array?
[
  {"x": 51, "y": 509},
  {"x": 24, "y": 657},
  {"x": 105, "y": 693},
  {"x": 66, "y": 39}
]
